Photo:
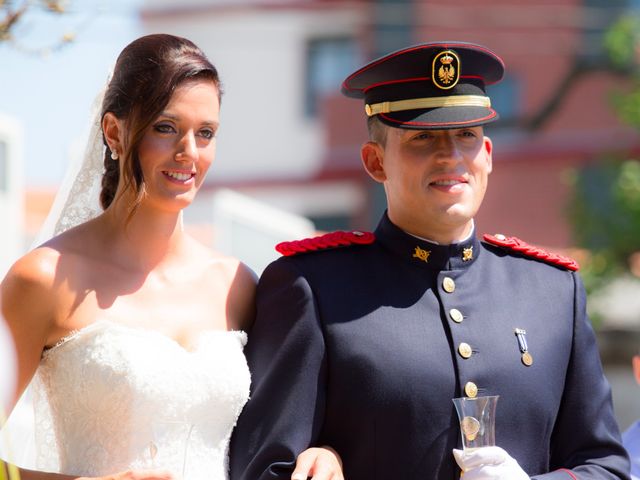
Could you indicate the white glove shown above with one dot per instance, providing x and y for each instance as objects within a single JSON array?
[{"x": 488, "y": 463}]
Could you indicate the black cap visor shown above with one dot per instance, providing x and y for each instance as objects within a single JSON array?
[{"x": 439, "y": 118}]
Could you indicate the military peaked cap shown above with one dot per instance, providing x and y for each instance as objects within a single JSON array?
[{"x": 429, "y": 86}]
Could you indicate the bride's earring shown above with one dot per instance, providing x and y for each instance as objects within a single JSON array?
[{"x": 114, "y": 155}]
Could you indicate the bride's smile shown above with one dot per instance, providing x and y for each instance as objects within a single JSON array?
[{"x": 180, "y": 177}]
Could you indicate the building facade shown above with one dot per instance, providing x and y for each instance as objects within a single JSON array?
[{"x": 288, "y": 137}]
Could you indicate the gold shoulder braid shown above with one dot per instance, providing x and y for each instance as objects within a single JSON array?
[{"x": 7, "y": 468}]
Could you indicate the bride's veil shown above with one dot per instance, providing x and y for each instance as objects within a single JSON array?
[{"x": 76, "y": 201}]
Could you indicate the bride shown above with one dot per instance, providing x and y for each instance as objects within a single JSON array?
[{"x": 131, "y": 330}]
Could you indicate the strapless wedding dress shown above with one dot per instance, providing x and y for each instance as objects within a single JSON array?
[{"x": 110, "y": 398}]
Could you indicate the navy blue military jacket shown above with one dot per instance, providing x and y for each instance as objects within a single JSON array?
[{"x": 359, "y": 348}]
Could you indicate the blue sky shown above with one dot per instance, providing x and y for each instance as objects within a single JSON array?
[{"x": 51, "y": 95}]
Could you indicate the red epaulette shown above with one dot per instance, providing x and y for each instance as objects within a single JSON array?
[
  {"x": 517, "y": 245},
  {"x": 328, "y": 240}
]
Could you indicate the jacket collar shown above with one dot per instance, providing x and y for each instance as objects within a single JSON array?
[{"x": 426, "y": 254}]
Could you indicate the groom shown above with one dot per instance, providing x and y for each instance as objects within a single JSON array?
[{"x": 362, "y": 340}]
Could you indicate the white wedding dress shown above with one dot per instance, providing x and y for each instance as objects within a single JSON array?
[{"x": 110, "y": 398}]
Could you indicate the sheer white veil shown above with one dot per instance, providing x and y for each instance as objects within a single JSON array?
[
  {"x": 77, "y": 200},
  {"x": 78, "y": 197}
]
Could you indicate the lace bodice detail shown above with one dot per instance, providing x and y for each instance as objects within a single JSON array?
[{"x": 110, "y": 398}]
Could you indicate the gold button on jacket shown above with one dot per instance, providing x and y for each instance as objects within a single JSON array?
[
  {"x": 471, "y": 389},
  {"x": 448, "y": 284},
  {"x": 456, "y": 315},
  {"x": 465, "y": 350}
]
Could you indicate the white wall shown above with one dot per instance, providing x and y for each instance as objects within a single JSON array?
[{"x": 12, "y": 196}]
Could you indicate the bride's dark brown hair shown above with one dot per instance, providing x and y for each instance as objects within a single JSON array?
[{"x": 145, "y": 76}]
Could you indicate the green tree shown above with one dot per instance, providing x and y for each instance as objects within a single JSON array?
[{"x": 605, "y": 206}]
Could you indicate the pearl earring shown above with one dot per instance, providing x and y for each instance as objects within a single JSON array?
[{"x": 114, "y": 155}]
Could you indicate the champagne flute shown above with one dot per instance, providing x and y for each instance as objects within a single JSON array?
[{"x": 477, "y": 420}]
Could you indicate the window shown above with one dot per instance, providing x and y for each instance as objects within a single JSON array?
[
  {"x": 329, "y": 61},
  {"x": 394, "y": 25},
  {"x": 505, "y": 98},
  {"x": 601, "y": 14}
]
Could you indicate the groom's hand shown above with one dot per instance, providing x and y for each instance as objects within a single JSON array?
[
  {"x": 319, "y": 464},
  {"x": 488, "y": 463}
]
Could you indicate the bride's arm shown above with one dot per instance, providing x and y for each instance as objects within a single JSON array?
[
  {"x": 29, "y": 306},
  {"x": 241, "y": 297}
]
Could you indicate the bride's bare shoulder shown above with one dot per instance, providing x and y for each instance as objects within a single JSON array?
[
  {"x": 29, "y": 293},
  {"x": 235, "y": 281},
  {"x": 231, "y": 268},
  {"x": 36, "y": 268},
  {"x": 39, "y": 267},
  {"x": 242, "y": 283},
  {"x": 35, "y": 294}
]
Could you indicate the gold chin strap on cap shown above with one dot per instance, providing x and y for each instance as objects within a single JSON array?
[{"x": 429, "y": 102}]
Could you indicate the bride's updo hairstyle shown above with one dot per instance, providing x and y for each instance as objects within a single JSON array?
[{"x": 145, "y": 76}]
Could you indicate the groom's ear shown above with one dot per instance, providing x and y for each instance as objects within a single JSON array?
[{"x": 113, "y": 131}]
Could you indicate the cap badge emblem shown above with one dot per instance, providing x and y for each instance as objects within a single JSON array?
[
  {"x": 422, "y": 254},
  {"x": 445, "y": 70}
]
